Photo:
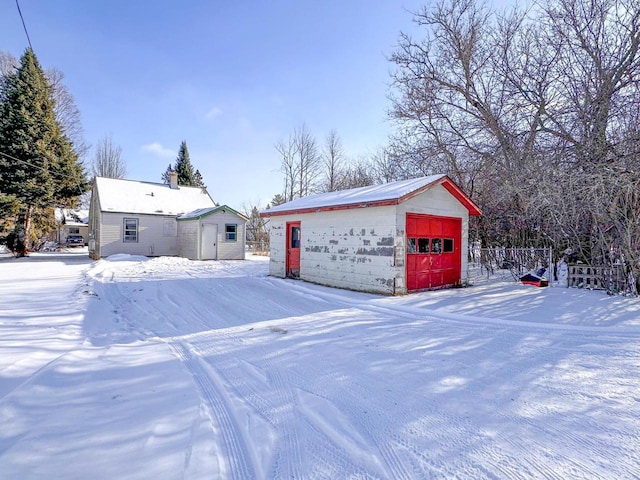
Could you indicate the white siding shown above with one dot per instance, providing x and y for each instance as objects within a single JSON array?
[
  {"x": 190, "y": 231},
  {"x": 188, "y": 236},
  {"x": 228, "y": 250},
  {"x": 352, "y": 249},
  {"x": 361, "y": 248},
  {"x": 277, "y": 245},
  {"x": 153, "y": 239}
]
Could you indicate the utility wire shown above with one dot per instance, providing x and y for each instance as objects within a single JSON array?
[
  {"x": 49, "y": 171},
  {"x": 23, "y": 25}
]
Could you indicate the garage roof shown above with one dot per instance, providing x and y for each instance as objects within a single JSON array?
[{"x": 391, "y": 193}]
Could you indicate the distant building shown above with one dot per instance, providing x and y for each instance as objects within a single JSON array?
[{"x": 71, "y": 222}]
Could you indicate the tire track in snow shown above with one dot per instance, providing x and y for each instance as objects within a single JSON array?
[
  {"x": 336, "y": 438},
  {"x": 219, "y": 412},
  {"x": 31, "y": 377},
  {"x": 292, "y": 457},
  {"x": 272, "y": 399}
]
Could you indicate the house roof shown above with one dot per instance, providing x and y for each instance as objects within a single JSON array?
[
  {"x": 203, "y": 212},
  {"x": 73, "y": 217},
  {"x": 132, "y": 196},
  {"x": 391, "y": 193}
]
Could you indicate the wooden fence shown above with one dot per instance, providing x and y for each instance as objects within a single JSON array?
[{"x": 612, "y": 278}]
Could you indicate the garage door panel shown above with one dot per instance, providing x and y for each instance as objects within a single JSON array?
[{"x": 437, "y": 266}]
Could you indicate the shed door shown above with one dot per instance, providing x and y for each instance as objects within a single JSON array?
[
  {"x": 293, "y": 249},
  {"x": 433, "y": 251},
  {"x": 209, "y": 239}
]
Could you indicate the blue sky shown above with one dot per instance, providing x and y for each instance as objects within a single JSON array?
[{"x": 229, "y": 77}]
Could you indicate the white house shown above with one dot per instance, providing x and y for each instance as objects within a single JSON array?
[
  {"x": 392, "y": 238},
  {"x": 71, "y": 222},
  {"x": 144, "y": 218}
]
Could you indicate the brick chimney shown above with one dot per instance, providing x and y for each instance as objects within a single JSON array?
[{"x": 173, "y": 179}]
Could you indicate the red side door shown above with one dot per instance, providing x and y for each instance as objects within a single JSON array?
[
  {"x": 293, "y": 249},
  {"x": 433, "y": 257}
]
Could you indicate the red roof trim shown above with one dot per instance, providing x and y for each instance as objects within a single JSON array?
[
  {"x": 454, "y": 190},
  {"x": 445, "y": 181}
]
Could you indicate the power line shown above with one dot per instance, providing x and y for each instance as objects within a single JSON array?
[
  {"x": 23, "y": 25},
  {"x": 51, "y": 172}
]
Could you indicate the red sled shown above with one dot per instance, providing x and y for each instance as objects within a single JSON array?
[{"x": 531, "y": 279}]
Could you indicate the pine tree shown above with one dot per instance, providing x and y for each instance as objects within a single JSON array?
[
  {"x": 183, "y": 167},
  {"x": 166, "y": 176},
  {"x": 38, "y": 167},
  {"x": 199, "y": 182}
]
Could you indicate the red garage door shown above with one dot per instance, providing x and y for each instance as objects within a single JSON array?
[{"x": 433, "y": 251}]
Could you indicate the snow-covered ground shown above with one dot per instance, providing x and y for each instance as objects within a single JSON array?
[{"x": 164, "y": 368}]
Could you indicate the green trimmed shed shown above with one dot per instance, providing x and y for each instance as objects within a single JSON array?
[{"x": 216, "y": 233}]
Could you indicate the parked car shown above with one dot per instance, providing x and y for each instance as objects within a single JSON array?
[{"x": 75, "y": 240}]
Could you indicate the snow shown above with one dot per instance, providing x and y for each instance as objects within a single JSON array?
[
  {"x": 374, "y": 193},
  {"x": 166, "y": 368},
  {"x": 132, "y": 196}
]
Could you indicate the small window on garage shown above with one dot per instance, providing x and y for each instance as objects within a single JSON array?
[
  {"x": 447, "y": 245},
  {"x": 295, "y": 237},
  {"x": 231, "y": 232},
  {"x": 411, "y": 245},
  {"x": 74, "y": 231},
  {"x": 423, "y": 245},
  {"x": 130, "y": 230},
  {"x": 436, "y": 245}
]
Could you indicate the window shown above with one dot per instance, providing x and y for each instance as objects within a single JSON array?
[
  {"x": 436, "y": 245},
  {"x": 231, "y": 232},
  {"x": 74, "y": 231},
  {"x": 295, "y": 237},
  {"x": 423, "y": 245},
  {"x": 447, "y": 245},
  {"x": 130, "y": 230},
  {"x": 411, "y": 245}
]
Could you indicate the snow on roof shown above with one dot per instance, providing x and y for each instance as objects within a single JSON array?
[
  {"x": 197, "y": 213},
  {"x": 362, "y": 195},
  {"x": 70, "y": 216},
  {"x": 202, "y": 212},
  {"x": 132, "y": 196}
]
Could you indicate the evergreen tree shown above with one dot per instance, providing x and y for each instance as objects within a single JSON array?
[
  {"x": 166, "y": 176},
  {"x": 199, "y": 182},
  {"x": 38, "y": 167},
  {"x": 183, "y": 167}
]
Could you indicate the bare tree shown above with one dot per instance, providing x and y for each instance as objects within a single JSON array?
[
  {"x": 534, "y": 113},
  {"x": 256, "y": 228},
  {"x": 300, "y": 163},
  {"x": 8, "y": 63},
  {"x": 307, "y": 161},
  {"x": 333, "y": 159},
  {"x": 288, "y": 167},
  {"x": 67, "y": 113},
  {"x": 107, "y": 160},
  {"x": 359, "y": 173}
]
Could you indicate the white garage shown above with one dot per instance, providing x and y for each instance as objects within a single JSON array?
[{"x": 393, "y": 238}]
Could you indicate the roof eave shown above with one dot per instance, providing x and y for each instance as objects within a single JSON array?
[
  {"x": 330, "y": 208},
  {"x": 445, "y": 181}
]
